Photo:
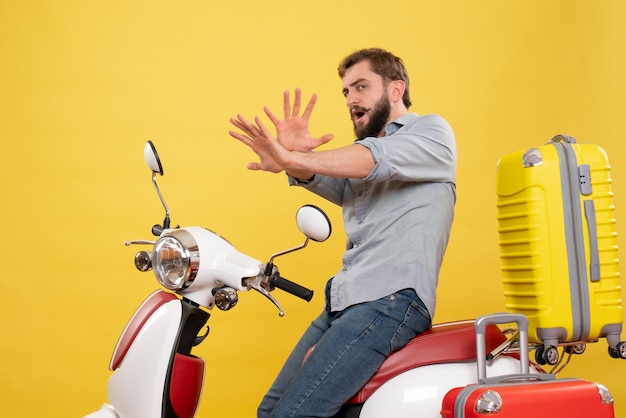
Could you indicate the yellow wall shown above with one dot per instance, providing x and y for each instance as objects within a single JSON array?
[{"x": 85, "y": 83}]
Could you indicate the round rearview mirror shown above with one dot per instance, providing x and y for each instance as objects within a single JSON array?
[
  {"x": 313, "y": 222},
  {"x": 151, "y": 157}
]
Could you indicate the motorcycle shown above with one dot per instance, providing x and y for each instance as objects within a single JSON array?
[{"x": 155, "y": 374}]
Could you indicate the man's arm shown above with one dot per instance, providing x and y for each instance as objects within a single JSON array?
[{"x": 352, "y": 161}]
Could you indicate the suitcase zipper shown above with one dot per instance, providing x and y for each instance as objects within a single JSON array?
[{"x": 574, "y": 241}]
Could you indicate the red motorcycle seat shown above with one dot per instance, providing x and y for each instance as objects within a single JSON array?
[{"x": 444, "y": 343}]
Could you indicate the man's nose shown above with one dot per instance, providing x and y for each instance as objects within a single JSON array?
[{"x": 351, "y": 99}]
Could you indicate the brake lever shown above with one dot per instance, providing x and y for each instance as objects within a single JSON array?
[{"x": 255, "y": 283}]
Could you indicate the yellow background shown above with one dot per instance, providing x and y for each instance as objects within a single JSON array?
[{"x": 86, "y": 83}]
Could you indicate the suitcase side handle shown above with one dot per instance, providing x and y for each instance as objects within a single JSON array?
[
  {"x": 594, "y": 252},
  {"x": 563, "y": 138},
  {"x": 480, "y": 326}
]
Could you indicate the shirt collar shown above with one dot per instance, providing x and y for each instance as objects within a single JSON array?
[{"x": 393, "y": 126}]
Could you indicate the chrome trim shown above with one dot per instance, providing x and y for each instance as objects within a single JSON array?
[
  {"x": 605, "y": 394},
  {"x": 489, "y": 402},
  {"x": 188, "y": 242}
]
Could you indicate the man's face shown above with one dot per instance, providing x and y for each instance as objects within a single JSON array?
[{"x": 367, "y": 99}]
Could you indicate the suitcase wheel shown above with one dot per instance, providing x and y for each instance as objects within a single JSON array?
[
  {"x": 576, "y": 348},
  {"x": 619, "y": 351},
  {"x": 548, "y": 355}
]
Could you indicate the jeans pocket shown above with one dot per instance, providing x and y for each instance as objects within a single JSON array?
[{"x": 416, "y": 320}]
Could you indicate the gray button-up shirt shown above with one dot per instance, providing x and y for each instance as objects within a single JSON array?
[{"x": 398, "y": 218}]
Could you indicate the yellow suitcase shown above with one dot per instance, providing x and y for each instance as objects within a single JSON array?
[{"x": 558, "y": 246}]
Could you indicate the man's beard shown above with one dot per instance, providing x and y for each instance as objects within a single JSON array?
[{"x": 378, "y": 118}]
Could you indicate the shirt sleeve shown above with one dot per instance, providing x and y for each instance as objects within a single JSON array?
[
  {"x": 329, "y": 188},
  {"x": 421, "y": 151}
]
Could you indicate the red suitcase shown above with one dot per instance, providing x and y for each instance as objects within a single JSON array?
[{"x": 524, "y": 395}]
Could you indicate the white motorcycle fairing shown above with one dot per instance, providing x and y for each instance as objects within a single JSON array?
[
  {"x": 417, "y": 377},
  {"x": 219, "y": 264},
  {"x": 422, "y": 389},
  {"x": 152, "y": 369}
]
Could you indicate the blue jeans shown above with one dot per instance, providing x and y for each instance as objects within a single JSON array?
[{"x": 351, "y": 346}]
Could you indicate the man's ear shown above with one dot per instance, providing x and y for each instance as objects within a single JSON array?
[{"x": 397, "y": 88}]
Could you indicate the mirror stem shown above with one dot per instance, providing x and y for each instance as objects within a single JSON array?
[
  {"x": 269, "y": 267},
  {"x": 306, "y": 242},
  {"x": 166, "y": 221}
]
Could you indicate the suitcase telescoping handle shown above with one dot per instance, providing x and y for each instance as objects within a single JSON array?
[
  {"x": 480, "y": 326},
  {"x": 563, "y": 138}
]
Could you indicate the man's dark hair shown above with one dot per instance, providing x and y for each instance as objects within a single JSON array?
[{"x": 383, "y": 63}]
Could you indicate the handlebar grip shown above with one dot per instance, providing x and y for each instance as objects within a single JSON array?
[{"x": 293, "y": 288}]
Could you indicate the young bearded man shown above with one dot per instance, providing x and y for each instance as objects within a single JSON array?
[{"x": 396, "y": 187}]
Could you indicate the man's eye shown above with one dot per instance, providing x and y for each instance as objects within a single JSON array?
[{"x": 361, "y": 86}]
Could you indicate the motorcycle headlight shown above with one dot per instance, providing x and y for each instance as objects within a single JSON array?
[{"x": 176, "y": 260}]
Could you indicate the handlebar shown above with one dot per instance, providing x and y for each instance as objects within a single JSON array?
[{"x": 290, "y": 287}]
